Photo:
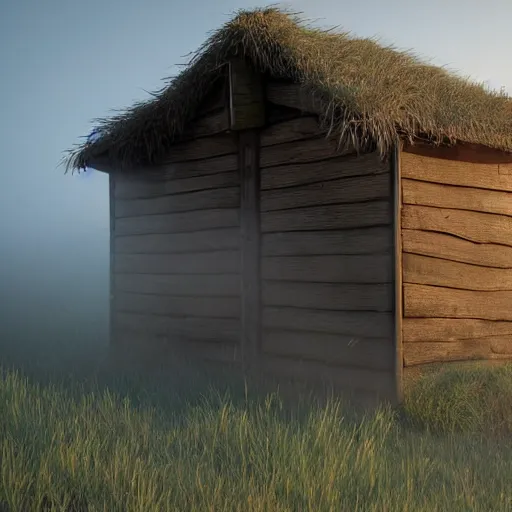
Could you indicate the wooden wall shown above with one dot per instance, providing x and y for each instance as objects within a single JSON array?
[
  {"x": 176, "y": 263},
  {"x": 326, "y": 259},
  {"x": 457, "y": 260}
]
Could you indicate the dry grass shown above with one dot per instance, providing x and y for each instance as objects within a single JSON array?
[{"x": 370, "y": 93}]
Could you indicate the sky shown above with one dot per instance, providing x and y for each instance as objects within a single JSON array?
[{"x": 67, "y": 62}]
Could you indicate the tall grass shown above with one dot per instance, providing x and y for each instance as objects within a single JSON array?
[{"x": 126, "y": 445}]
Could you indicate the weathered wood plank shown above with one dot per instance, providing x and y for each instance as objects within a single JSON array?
[
  {"x": 308, "y": 150},
  {"x": 473, "y": 226},
  {"x": 198, "y": 241},
  {"x": 452, "y": 248},
  {"x": 360, "y": 268},
  {"x": 330, "y": 296},
  {"x": 375, "y": 353},
  {"x": 112, "y": 179},
  {"x": 293, "y": 96},
  {"x": 178, "y": 222},
  {"x": 453, "y": 172},
  {"x": 199, "y": 149},
  {"x": 206, "y": 329},
  {"x": 461, "y": 198},
  {"x": 453, "y": 274},
  {"x": 220, "y": 262},
  {"x": 365, "y": 324},
  {"x": 340, "y": 216},
  {"x": 145, "y": 188},
  {"x": 314, "y": 172},
  {"x": 351, "y": 241},
  {"x": 208, "y": 307},
  {"x": 298, "y": 128},
  {"x": 190, "y": 201},
  {"x": 250, "y": 342},
  {"x": 434, "y": 302},
  {"x": 452, "y": 329},
  {"x": 227, "y": 285},
  {"x": 339, "y": 377},
  {"x": 211, "y": 123},
  {"x": 464, "y": 350},
  {"x": 345, "y": 190}
]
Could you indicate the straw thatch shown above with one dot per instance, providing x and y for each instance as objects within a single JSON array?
[{"x": 369, "y": 92}]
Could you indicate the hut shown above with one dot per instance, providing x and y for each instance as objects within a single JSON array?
[{"x": 311, "y": 205}]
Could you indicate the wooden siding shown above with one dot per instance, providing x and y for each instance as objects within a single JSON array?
[
  {"x": 326, "y": 259},
  {"x": 457, "y": 260},
  {"x": 176, "y": 271}
]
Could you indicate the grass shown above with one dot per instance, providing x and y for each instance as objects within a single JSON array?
[{"x": 105, "y": 443}]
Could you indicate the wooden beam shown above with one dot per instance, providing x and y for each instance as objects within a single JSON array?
[
  {"x": 250, "y": 248},
  {"x": 246, "y": 99}
]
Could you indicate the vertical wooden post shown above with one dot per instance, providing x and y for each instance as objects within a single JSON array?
[
  {"x": 397, "y": 271},
  {"x": 250, "y": 247}
]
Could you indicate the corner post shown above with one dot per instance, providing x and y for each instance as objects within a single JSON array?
[{"x": 247, "y": 117}]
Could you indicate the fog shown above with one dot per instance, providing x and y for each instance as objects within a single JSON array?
[{"x": 67, "y": 62}]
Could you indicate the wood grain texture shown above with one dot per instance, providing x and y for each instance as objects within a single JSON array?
[
  {"x": 342, "y": 216},
  {"x": 198, "y": 241},
  {"x": 345, "y": 190},
  {"x": 365, "y": 324},
  {"x": 144, "y": 188},
  {"x": 368, "y": 240},
  {"x": 372, "y": 353},
  {"x": 452, "y": 329},
  {"x": 452, "y": 172},
  {"x": 464, "y": 350},
  {"x": 360, "y": 268},
  {"x": 220, "y": 262},
  {"x": 227, "y": 285},
  {"x": 199, "y": 149},
  {"x": 434, "y": 302},
  {"x": 473, "y": 226},
  {"x": 205, "y": 329},
  {"x": 461, "y": 198},
  {"x": 293, "y": 96},
  {"x": 316, "y": 172},
  {"x": 208, "y": 307},
  {"x": 329, "y": 296},
  {"x": 214, "y": 122},
  {"x": 449, "y": 247},
  {"x": 178, "y": 222},
  {"x": 298, "y": 128},
  {"x": 202, "y": 200}
]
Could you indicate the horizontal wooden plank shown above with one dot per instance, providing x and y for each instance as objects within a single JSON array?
[
  {"x": 299, "y": 128},
  {"x": 343, "y": 378},
  {"x": 227, "y": 285},
  {"x": 208, "y": 307},
  {"x": 453, "y": 172},
  {"x": 198, "y": 241},
  {"x": 340, "y": 216},
  {"x": 464, "y": 350},
  {"x": 191, "y": 201},
  {"x": 203, "y": 148},
  {"x": 144, "y": 188},
  {"x": 452, "y": 329},
  {"x": 351, "y": 241},
  {"x": 434, "y": 302},
  {"x": 473, "y": 226},
  {"x": 376, "y": 353},
  {"x": 454, "y": 274},
  {"x": 329, "y": 296},
  {"x": 452, "y": 248},
  {"x": 178, "y": 222},
  {"x": 293, "y": 96},
  {"x": 353, "y": 268},
  {"x": 461, "y": 198},
  {"x": 211, "y": 123},
  {"x": 314, "y": 172},
  {"x": 220, "y": 262},
  {"x": 366, "y": 324},
  {"x": 206, "y": 329},
  {"x": 345, "y": 190}
]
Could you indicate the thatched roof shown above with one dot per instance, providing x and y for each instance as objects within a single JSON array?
[{"x": 369, "y": 92}]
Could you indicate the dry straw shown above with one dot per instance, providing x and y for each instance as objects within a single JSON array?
[{"x": 369, "y": 93}]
